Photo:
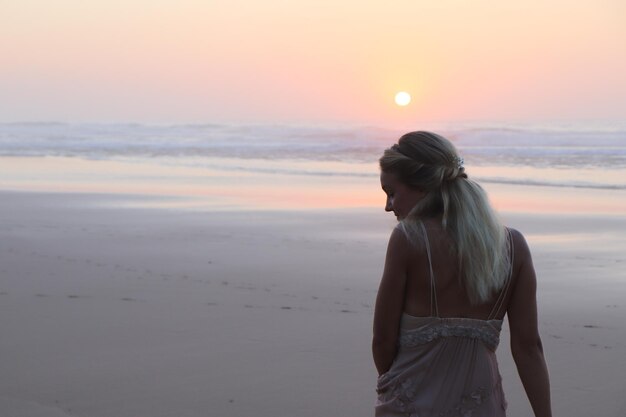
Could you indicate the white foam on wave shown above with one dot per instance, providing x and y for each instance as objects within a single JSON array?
[{"x": 298, "y": 150}]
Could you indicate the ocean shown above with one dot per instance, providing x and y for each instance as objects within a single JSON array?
[{"x": 589, "y": 156}]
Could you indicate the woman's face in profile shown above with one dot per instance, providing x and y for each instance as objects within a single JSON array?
[{"x": 400, "y": 197}]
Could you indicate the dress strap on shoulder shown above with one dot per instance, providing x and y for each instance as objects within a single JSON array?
[
  {"x": 502, "y": 296},
  {"x": 434, "y": 308}
]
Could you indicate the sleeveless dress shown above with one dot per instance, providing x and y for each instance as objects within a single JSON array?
[{"x": 445, "y": 367}]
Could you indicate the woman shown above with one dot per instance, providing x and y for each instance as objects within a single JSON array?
[{"x": 452, "y": 272}]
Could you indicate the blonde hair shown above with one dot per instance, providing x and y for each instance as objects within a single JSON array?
[{"x": 430, "y": 163}]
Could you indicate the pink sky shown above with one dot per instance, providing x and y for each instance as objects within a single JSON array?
[{"x": 273, "y": 61}]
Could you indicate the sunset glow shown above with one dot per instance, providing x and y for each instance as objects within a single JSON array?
[{"x": 250, "y": 61}]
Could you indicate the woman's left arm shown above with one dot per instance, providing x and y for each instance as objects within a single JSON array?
[{"x": 390, "y": 302}]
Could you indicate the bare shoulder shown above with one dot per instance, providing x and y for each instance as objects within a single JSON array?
[
  {"x": 398, "y": 241},
  {"x": 521, "y": 251},
  {"x": 518, "y": 238},
  {"x": 523, "y": 285}
]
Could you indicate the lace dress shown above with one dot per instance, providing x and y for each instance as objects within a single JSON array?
[{"x": 444, "y": 367}]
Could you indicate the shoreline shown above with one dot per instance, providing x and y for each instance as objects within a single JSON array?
[{"x": 207, "y": 186}]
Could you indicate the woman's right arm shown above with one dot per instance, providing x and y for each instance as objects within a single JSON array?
[
  {"x": 390, "y": 302},
  {"x": 526, "y": 344}
]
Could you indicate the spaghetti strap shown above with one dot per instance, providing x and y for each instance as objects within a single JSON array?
[
  {"x": 502, "y": 296},
  {"x": 433, "y": 290}
]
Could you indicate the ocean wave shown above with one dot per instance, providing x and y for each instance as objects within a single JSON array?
[
  {"x": 548, "y": 183},
  {"x": 365, "y": 171},
  {"x": 598, "y": 146}
]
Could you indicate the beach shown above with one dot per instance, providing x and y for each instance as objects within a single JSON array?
[
  {"x": 192, "y": 221},
  {"x": 199, "y": 277},
  {"x": 110, "y": 308}
]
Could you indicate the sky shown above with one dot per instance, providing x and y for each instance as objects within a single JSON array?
[{"x": 271, "y": 61}]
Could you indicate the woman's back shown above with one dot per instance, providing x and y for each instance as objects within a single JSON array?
[
  {"x": 445, "y": 364},
  {"x": 451, "y": 296}
]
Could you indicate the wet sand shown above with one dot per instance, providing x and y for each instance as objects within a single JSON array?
[{"x": 115, "y": 309}]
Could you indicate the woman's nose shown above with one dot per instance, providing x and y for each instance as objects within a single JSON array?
[{"x": 388, "y": 205}]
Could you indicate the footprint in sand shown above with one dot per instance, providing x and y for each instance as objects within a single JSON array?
[{"x": 246, "y": 287}]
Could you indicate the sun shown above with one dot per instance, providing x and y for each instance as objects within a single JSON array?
[{"x": 403, "y": 98}]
